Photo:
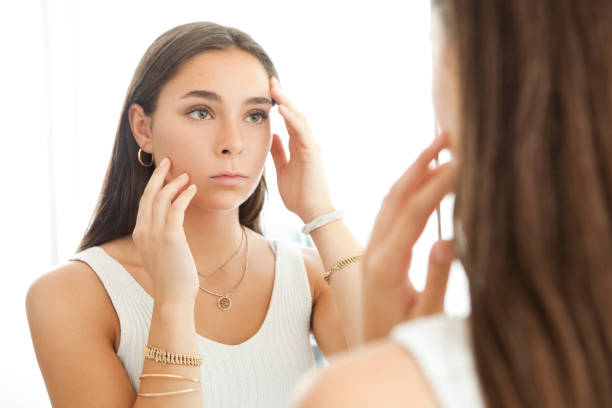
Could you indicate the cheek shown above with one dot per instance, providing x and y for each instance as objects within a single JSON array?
[
  {"x": 441, "y": 98},
  {"x": 174, "y": 139},
  {"x": 260, "y": 141},
  {"x": 445, "y": 99}
]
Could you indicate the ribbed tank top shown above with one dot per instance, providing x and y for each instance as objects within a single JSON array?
[
  {"x": 261, "y": 371},
  {"x": 442, "y": 347}
]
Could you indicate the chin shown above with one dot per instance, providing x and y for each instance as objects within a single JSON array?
[{"x": 220, "y": 201}]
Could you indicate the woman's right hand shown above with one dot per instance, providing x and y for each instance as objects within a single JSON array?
[
  {"x": 389, "y": 297},
  {"x": 160, "y": 238}
]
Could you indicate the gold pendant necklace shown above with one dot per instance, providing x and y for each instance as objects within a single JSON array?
[
  {"x": 228, "y": 259},
  {"x": 224, "y": 302}
]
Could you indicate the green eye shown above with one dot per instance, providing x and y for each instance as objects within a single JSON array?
[
  {"x": 199, "y": 114},
  {"x": 257, "y": 117}
]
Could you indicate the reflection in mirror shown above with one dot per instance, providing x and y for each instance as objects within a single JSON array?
[{"x": 321, "y": 103}]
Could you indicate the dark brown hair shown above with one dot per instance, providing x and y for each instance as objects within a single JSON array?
[
  {"x": 534, "y": 196},
  {"x": 126, "y": 178}
]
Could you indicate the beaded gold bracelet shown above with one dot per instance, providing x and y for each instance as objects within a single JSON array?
[
  {"x": 162, "y": 356},
  {"x": 339, "y": 265}
]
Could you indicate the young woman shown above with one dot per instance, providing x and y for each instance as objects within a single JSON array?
[
  {"x": 174, "y": 259},
  {"x": 523, "y": 91}
]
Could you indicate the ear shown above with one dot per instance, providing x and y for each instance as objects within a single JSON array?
[{"x": 140, "y": 124}]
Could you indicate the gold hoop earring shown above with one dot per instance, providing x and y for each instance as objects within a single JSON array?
[{"x": 143, "y": 163}]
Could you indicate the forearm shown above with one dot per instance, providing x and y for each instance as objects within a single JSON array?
[
  {"x": 334, "y": 241},
  {"x": 173, "y": 329}
]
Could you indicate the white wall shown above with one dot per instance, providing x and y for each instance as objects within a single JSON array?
[{"x": 359, "y": 71}]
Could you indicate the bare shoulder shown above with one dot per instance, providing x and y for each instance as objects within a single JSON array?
[
  {"x": 71, "y": 291},
  {"x": 381, "y": 374},
  {"x": 73, "y": 336}
]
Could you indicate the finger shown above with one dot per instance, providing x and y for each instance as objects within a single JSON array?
[
  {"x": 428, "y": 197},
  {"x": 300, "y": 141},
  {"x": 279, "y": 96},
  {"x": 391, "y": 207},
  {"x": 164, "y": 198},
  {"x": 155, "y": 183},
  {"x": 296, "y": 126},
  {"x": 278, "y": 153},
  {"x": 179, "y": 206},
  {"x": 432, "y": 298},
  {"x": 412, "y": 217},
  {"x": 413, "y": 176}
]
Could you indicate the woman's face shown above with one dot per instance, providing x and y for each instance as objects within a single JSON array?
[
  {"x": 445, "y": 81},
  {"x": 212, "y": 119}
]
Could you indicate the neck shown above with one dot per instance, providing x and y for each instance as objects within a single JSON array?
[{"x": 212, "y": 236}]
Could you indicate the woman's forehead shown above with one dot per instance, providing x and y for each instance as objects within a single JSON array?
[{"x": 233, "y": 72}]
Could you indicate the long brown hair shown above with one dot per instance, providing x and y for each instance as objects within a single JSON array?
[
  {"x": 125, "y": 180},
  {"x": 534, "y": 196}
]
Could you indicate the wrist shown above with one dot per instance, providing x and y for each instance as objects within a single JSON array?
[
  {"x": 321, "y": 221},
  {"x": 311, "y": 215},
  {"x": 173, "y": 307},
  {"x": 323, "y": 229}
]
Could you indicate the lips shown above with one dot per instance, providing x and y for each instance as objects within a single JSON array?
[
  {"x": 229, "y": 174},
  {"x": 229, "y": 179}
]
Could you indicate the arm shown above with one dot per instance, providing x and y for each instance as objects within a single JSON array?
[
  {"x": 73, "y": 341},
  {"x": 73, "y": 338},
  {"x": 173, "y": 328},
  {"x": 383, "y": 373},
  {"x": 334, "y": 241},
  {"x": 166, "y": 256},
  {"x": 303, "y": 188}
]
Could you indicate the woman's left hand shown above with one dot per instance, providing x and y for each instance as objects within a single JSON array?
[{"x": 301, "y": 179}]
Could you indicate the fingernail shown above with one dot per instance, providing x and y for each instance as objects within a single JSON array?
[
  {"x": 183, "y": 176},
  {"x": 164, "y": 161},
  {"x": 276, "y": 83},
  {"x": 191, "y": 187}
]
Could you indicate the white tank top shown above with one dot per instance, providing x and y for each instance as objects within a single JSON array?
[
  {"x": 442, "y": 347},
  {"x": 259, "y": 372}
]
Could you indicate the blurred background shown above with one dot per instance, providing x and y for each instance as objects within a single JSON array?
[{"x": 359, "y": 71}]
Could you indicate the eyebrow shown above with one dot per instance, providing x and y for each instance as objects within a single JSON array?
[{"x": 200, "y": 93}]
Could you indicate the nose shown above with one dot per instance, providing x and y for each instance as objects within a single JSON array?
[{"x": 229, "y": 142}]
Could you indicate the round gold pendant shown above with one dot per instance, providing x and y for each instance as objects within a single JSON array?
[{"x": 224, "y": 303}]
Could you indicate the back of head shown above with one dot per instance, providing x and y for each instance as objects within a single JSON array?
[{"x": 534, "y": 195}]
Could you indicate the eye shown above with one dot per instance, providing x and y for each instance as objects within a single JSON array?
[
  {"x": 200, "y": 113},
  {"x": 257, "y": 117}
]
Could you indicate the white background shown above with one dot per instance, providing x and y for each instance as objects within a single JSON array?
[{"x": 359, "y": 71}]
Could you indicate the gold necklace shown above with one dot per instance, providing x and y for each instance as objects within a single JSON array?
[
  {"x": 225, "y": 302},
  {"x": 228, "y": 259}
]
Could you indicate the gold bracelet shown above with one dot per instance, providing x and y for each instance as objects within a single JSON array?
[
  {"x": 163, "y": 394},
  {"x": 162, "y": 356},
  {"x": 180, "y": 377},
  {"x": 339, "y": 265}
]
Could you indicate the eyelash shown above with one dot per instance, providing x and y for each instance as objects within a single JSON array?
[
  {"x": 264, "y": 115},
  {"x": 198, "y": 109}
]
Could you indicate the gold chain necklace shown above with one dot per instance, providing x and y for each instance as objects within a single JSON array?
[
  {"x": 224, "y": 302},
  {"x": 228, "y": 259}
]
